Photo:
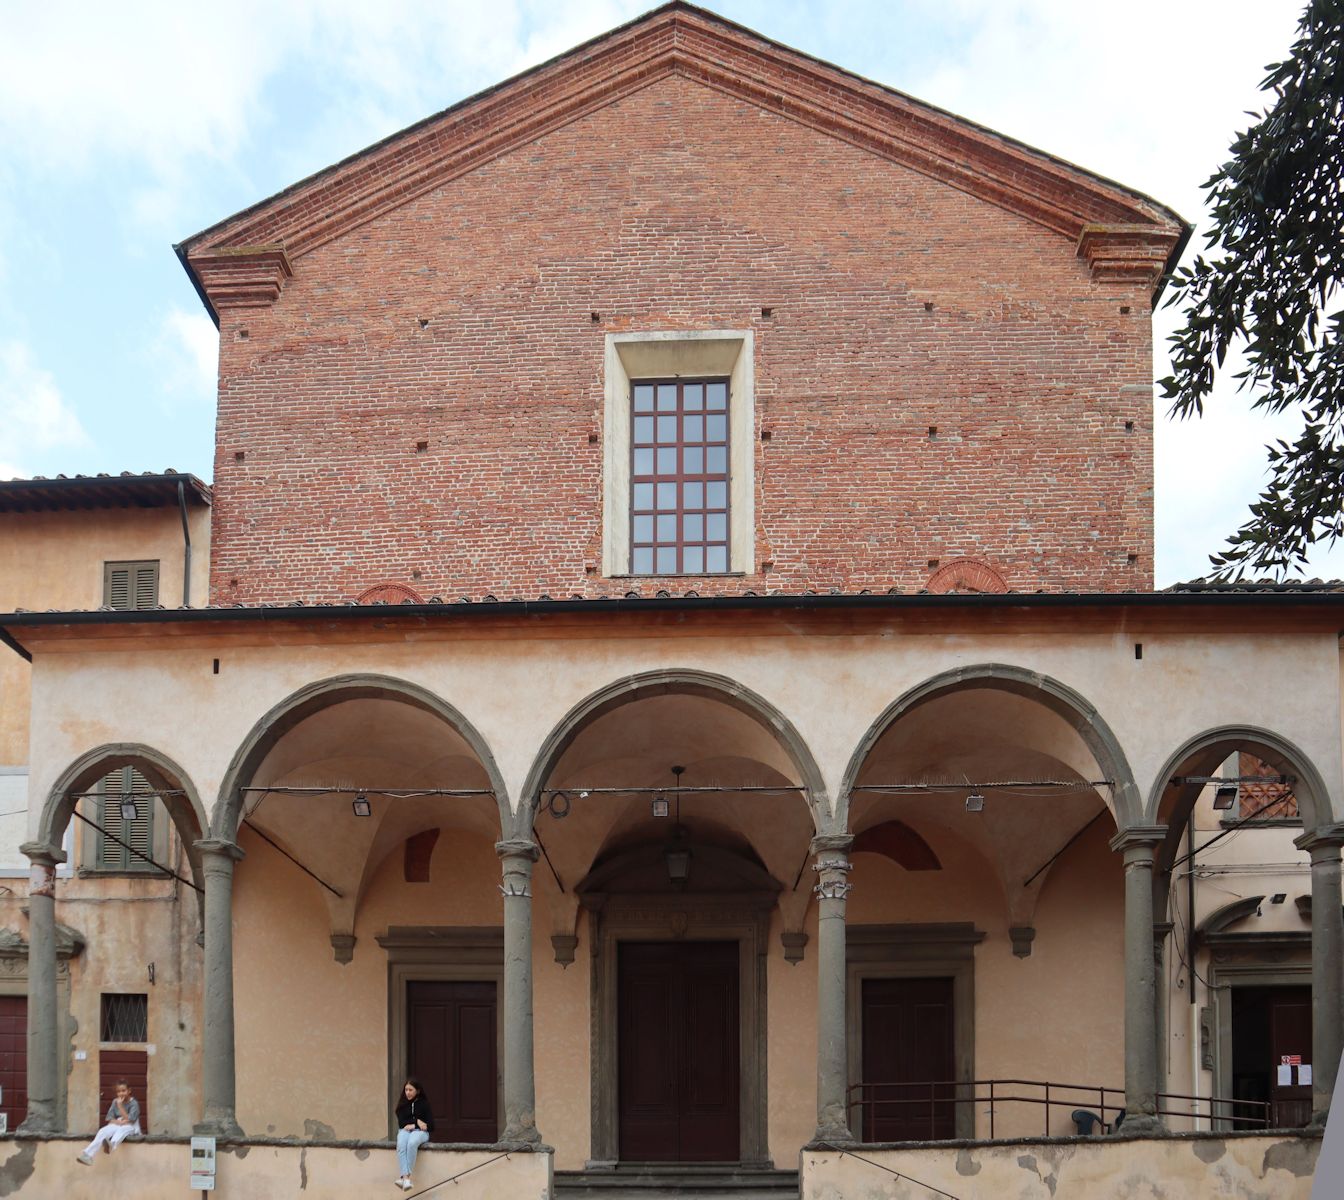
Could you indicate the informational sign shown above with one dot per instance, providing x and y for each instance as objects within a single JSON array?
[{"x": 203, "y": 1164}]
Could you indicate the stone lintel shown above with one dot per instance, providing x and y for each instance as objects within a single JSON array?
[{"x": 1126, "y": 253}]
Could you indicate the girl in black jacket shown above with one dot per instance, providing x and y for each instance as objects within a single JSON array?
[{"x": 415, "y": 1122}]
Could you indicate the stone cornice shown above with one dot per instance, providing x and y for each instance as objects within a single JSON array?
[{"x": 244, "y": 260}]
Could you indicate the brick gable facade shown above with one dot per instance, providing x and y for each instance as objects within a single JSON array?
[{"x": 418, "y": 398}]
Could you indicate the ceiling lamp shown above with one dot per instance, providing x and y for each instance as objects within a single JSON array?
[
  {"x": 975, "y": 802},
  {"x": 362, "y": 806}
]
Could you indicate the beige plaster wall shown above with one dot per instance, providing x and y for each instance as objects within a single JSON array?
[
  {"x": 127, "y": 926},
  {"x": 151, "y": 1170},
  {"x": 312, "y": 1054},
  {"x": 1212, "y": 1168},
  {"x": 831, "y": 688}
]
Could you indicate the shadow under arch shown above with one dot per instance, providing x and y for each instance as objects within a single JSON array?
[
  {"x": 183, "y": 802},
  {"x": 1081, "y": 715},
  {"x": 313, "y": 698},
  {"x": 673, "y": 682}
]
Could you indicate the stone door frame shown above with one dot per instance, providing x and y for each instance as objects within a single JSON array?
[{"x": 743, "y": 918}]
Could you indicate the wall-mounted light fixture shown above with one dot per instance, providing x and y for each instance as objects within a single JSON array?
[
  {"x": 1225, "y": 796},
  {"x": 975, "y": 802},
  {"x": 128, "y": 808},
  {"x": 660, "y": 806},
  {"x": 362, "y": 806}
]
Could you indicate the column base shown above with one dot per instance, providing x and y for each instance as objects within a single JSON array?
[
  {"x": 1141, "y": 1125},
  {"x": 39, "y": 1122},
  {"x": 225, "y": 1128},
  {"x": 520, "y": 1137},
  {"x": 1318, "y": 1119},
  {"x": 831, "y": 1135}
]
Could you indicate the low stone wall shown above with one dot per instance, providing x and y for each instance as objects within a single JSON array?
[
  {"x": 262, "y": 1169},
  {"x": 1210, "y": 1166}
]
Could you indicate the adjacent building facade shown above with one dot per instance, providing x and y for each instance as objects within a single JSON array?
[{"x": 681, "y": 673}]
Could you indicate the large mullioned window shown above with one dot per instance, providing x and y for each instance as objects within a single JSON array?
[{"x": 679, "y": 477}]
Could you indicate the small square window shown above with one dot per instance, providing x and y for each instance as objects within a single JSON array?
[
  {"x": 125, "y": 1017},
  {"x": 131, "y": 585}
]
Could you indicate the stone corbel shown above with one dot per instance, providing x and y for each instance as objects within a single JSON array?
[
  {"x": 1022, "y": 936},
  {"x": 794, "y": 941},
  {"x": 343, "y": 946},
  {"x": 565, "y": 927},
  {"x": 242, "y": 276},
  {"x": 1126, "y": 253}
]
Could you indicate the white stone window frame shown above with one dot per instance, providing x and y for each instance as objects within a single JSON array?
[{"x": 673, "y": 355}]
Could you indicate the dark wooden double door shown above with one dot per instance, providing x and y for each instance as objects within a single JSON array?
[
  {"x": 452, "y": 1051},
  {"x": 1270, "y": 1024},
  {"x": 908, "y": 1060},
  {"x": 678, "y": 1052}
]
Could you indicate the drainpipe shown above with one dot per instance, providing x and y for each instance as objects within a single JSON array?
[{"x": 186, "y": 545}]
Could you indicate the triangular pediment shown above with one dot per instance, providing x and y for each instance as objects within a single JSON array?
[{"x": 245, "y": 260}]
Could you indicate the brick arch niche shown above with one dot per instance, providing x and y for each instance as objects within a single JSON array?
[
  {"x": 965, "y": 575},
  {"x": 389, "y": 593}
]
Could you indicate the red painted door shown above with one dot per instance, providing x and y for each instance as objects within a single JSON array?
[
  {"x": 452, "y": 1053},
  {"x": 908, "y": 1054},
  {"x": 14, "y": 1059},
  {"x": 678, "y": 1034},
  {"x": 133, "y": 1067}
]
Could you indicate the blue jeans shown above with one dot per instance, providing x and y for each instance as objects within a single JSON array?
[{"x": 408, "y": 1145}]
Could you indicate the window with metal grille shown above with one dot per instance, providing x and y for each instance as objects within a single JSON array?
[
  {"x": 124, "y": 785},
  {"x": 679, "y": 477},
  {"x": 125, "y": 1017},
  {"x": 129, "y": 585}
]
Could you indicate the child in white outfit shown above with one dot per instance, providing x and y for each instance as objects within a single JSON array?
[{"x": 123, "y": 1119}]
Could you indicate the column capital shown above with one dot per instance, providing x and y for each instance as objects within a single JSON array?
[
  {"x": 220, "y": 848},
  {"x": 1324, "y": 839},
  {"x": 1139, "y": 838},
  {"x": 831, "y": 841},
  {"x": 518, "y": 848},
  {"x": 42, "y": 854}
]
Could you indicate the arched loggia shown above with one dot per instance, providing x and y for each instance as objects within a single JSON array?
[
  {"x": 682, "y": 682},
  {"x": 177, "y": 792},
  {"x": 1079, "y": 713},
  {"x": 1200, "y": 757},
  {"x": 179, "y": 796},
  {"x": 313, "y": 698}
]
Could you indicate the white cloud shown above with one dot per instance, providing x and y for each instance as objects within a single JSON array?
[
  {"x": 186, "y": 355},
  {"x": 34, "y": 417}
]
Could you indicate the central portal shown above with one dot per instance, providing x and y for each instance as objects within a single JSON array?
[{"x": 678, "y": 1037}]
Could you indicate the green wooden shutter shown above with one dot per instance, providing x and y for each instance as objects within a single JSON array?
[
  {"x": 112, "y": 856},
  {"x": 128, "y": 585}
]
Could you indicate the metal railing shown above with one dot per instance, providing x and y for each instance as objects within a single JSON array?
[{"x": 933, "y": 1106}]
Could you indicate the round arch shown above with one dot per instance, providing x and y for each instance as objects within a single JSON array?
[
  {"x": 315, "y": 697},
  {"x": 183, "y": 801},
  {"x": 1081, "y": 715},
  {"x": 673, "y": 682},
  {"x": 1207, "y": 749}
]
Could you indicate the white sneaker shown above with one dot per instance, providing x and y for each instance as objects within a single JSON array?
[
  {"x": 85, "y": 1159},
  {"x": 406, "y": 1185}
]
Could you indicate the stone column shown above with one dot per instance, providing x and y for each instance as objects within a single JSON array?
[
  {"x": 1141, "y": 1058},
  {"x": 520, "y": 1091},
  {"x": 219, "y": 1087},
  {"x": 44, "y": 1066},
  {"x": 832, "y": 868},
  {"x": 1327, "y": 965}
]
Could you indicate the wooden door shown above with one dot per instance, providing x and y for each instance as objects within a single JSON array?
[
  {"x": 133, "y": 1067},
  {"x": 678, "y": 1052},
  {"x": 451, "y": 1051},
  {"x": 1290, "y": 1037},
  {"x": 14, "y": 1059},
  {"x": 909, "y": 1054}
]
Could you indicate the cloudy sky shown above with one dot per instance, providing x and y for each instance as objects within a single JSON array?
[{"x": 125, "y": 128}]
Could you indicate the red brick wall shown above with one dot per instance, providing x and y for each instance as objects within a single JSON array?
[{"x": 682, "y": 208}]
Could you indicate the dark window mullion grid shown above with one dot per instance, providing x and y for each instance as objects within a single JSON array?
[{"x": 679, "y": 506}]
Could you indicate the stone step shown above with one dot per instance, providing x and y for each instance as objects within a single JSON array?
[{"x": 677, "y": 1183}]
